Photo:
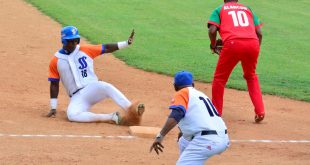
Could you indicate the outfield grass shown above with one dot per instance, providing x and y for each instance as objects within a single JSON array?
[{"x": 172, "y": 35}]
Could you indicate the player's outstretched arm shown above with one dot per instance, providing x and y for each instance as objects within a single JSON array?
[
  {"x": 111, "y": 47},
  {"x": 157, "y": 146},
  {"x": 54, "y": 90}
]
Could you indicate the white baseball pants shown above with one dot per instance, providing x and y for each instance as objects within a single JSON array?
[
  {"x": 201, "y": 148},
  {"x": 81, "y": 102}
]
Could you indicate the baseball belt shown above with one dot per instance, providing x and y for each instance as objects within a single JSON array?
[{"x": 208, "y": 132}]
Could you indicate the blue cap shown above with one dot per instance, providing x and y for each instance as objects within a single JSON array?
[
  {"x": 183, "y": 78},
  {"x": 69, "y": 32}
]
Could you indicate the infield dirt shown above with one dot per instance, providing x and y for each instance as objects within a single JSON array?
[{"x": 28, "y": 41}]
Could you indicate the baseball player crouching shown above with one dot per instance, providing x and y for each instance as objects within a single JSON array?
[
  {"x": 73, "y": 65},
  {"x": 204, "y": 131}
]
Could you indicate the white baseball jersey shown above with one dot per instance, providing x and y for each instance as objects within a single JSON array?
[
  {"x": 76, "y": 69},
  {"x": 200, "y": 114}
]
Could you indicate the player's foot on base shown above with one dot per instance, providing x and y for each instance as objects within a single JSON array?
[
  {"x": 259, "y": 118},
  {"x": 116, "y": 117},
  {"x": 140, "y": 109}
]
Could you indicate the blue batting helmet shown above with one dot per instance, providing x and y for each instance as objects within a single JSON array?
[
  {"x": 69, "y": 33},
  {"x": 183, "y": 78}
]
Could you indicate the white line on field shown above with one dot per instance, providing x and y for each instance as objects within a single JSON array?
[
  {"x": 270, "y": 141},
  {"x": 64, "y": 136},
  {"x": 132, "y": 137}
]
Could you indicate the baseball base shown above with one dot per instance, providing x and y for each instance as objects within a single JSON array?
[{"x": 143, "y": 131}]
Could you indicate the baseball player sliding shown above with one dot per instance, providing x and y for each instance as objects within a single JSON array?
[
  {"x": 73, "y": 65},
  {"x": 204, "y": 131}
]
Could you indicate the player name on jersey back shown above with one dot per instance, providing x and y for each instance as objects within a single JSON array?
[{"x": 235, "y": 7}]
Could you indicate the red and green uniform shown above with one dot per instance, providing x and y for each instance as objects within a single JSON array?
[
  {"x": 235, "y": 21},
  {"x": 237, "y": 27}
]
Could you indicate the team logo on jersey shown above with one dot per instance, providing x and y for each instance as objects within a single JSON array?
[{"x": 83, "y": 62}]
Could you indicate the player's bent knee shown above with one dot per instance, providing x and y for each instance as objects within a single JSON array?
[
  {"x": 250, "y": 76},
  {"x": 105, "y": 86},
  {"x": 72, "y": 116}
]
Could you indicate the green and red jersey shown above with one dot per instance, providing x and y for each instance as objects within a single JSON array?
[{"x": 235, "y": 20}]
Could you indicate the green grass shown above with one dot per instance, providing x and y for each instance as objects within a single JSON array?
[{"x": 172, "y": 35}]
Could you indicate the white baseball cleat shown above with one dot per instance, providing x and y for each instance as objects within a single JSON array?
[{"x": 116, "y": 117}]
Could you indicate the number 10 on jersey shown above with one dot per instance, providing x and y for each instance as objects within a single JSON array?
[
  {"x": 211, "y": 109},
  {"x": 239, "y": 18}
]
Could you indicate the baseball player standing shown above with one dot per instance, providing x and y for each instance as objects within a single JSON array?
[
  {"x": 240, "y": 31},
  {"x": 73, "y": 65},
  {"x": 204, "y": 131}
]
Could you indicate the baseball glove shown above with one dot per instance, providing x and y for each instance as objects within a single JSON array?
[{"x": 218, "y": 47}]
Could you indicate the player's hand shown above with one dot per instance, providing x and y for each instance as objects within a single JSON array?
[
  {"x": 217, "y": 48},
  {"x": 215, "y": 51},
  {"x": 130, "y": 39},
  {"x": 52, "y": 113},
  {"x": 157, "y": 146}
]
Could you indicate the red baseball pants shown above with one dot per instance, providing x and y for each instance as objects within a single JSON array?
[{"x": 246, "y": 51}]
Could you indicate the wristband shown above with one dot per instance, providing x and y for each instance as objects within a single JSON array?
[
  {"x": 122, "y": 44},
  {"x": 53, "y": 103},
  {"x": 159, "y": 137}
]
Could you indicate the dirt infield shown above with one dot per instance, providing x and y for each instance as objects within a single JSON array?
[{"x": 29, "y": 40}]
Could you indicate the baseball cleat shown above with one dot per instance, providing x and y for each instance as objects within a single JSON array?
[
  {"x": 259, "y": 118},
  {"x": 140, "y": 109},
  {"x": 116, "y": 117}
]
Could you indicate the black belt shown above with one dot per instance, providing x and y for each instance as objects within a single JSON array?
[
  {"x": 75, "y": 92},
  {"x": 209, "y": 132}
]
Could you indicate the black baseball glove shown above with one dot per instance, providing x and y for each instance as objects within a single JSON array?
[{"x": 217, "y": 47}]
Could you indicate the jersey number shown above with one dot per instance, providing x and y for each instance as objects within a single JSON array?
[
  {"x": 240, "y": 18},
  {"x": 84, "y": 73},
  {"x": 209, "y": 106}
]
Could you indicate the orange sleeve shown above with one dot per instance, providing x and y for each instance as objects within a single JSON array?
[
  {"x": 53, "y": 71},
  {"x": 180, "y": 98},
  {"x": 92, "y": 50}
]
